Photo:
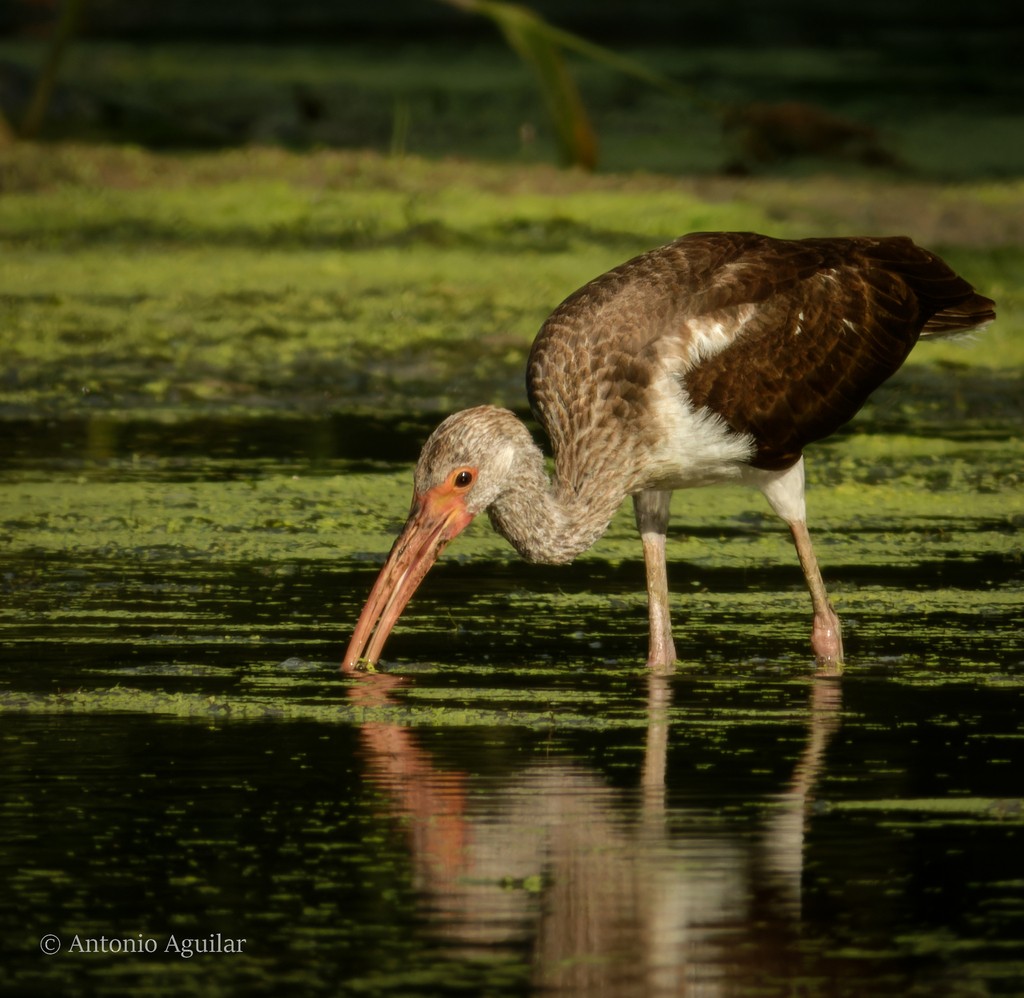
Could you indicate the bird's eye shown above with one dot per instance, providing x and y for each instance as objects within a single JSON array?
[{"x": 463, "y": 479}]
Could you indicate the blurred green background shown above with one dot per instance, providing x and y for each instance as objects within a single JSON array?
[{"x": 932, "y": 89}]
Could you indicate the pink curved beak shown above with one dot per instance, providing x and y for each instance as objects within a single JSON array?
[{"x": 437, "y": 517}]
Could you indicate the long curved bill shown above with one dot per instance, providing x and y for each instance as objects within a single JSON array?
[{"x": 437, "y": 517}]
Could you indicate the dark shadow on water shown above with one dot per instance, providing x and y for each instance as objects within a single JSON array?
[
  {"x": 188, "y": 442},
  {"x": 310, "y": 424}
]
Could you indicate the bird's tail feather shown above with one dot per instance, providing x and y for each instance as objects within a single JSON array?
[{"x": 967, "y": 316}]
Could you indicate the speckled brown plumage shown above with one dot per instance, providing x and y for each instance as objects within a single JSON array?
[{"x": 807, "y": 330}]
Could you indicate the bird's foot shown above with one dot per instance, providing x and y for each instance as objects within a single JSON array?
[
  {"x": 661, "y": 657},
  {"x": 827, "y": 642}
]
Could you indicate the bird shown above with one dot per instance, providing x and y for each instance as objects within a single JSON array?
[{"x": 716, "y": 358}]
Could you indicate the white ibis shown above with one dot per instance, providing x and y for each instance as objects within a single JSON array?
[{"x": 716, "y": 358}]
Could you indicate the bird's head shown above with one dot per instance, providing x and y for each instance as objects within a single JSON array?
[{"x": 462, "y": 470}]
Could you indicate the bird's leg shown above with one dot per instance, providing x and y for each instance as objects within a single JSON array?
[
  {"x": 827, "y": 635},
  {"x": 652, "y": 512},
  {"x": 784, "y": 491}
]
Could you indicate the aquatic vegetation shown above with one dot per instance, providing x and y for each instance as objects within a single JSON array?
[{"x": 359, "y": 282}]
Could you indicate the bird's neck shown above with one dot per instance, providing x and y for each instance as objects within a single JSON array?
[{"x": 549, "y": 520}]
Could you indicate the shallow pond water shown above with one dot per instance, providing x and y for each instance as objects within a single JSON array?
[{"x": 515, "y": 807}]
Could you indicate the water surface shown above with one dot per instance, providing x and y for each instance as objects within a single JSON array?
[{"x": 516, "y": 807}]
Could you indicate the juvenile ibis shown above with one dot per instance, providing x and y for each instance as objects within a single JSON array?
[{"x": 716, "y": 358}]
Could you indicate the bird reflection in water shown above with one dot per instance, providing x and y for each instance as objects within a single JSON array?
[{"x": 610, "y": 894}]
